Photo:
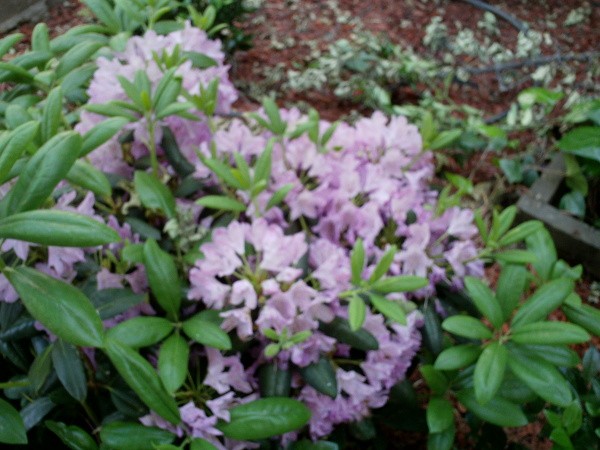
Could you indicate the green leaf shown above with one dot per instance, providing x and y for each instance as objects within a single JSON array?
[
  {"x": 466, "y": 326},
  {"x": 321, "y": 376},
  {"x": 113, "y": 301},
  {"x": 433, "y": 335},
  {"x": 14, "y": 144},
  {"x": 103, "y": 11},
  {"x": 200, "y": 60},
  {"x": 9, "y": 42},
  {"x": 585, "y": 316},
  {"x": 510, "y": 287},
  {"x": 440, "y": 415},
  {"x": 173, "y": 153},
  {"x": 143, "y": 380},
  {"x": 11, "y": 72},
  {"x": 389, "y": 308},
  {"x": 543, "y": 378},
  {"x": 35, "y": 411},
  {"x": 69, "y": 368},
  {"x": 441, "y": 441},
  {"x": 383, "y": 265},
  {"x": 42, "y": 173},
  {"x": 203, "y": 329},
  {"x": 573, "y": 203},
  {"x": 201, "y": 444},
  {"x": 173, "y": 362},
  {"x": 512, "y": 169},
  {"x": 306, "y": 444},
  {"x": 133, "y": 436},
  {"x": 520, "y": 232},
  {"x": 558, "y": 356},
  {"x": 58, "y": 228},
  {"x": 489, "y": 372},
  {"x": 279, "y": 195},
  {"x": 497, "y": 411},
  {"x": 357, "y": 261},
  {"x": 154, "y": 194},
  {"x": 76, "y": 56},
  {"x": 163, "y": 278},
  {"x": 52, "y": 114},
  {"x": 141, "y": 331},
  {"x": 400, "y": 283},
  {"x": 262, "y": 167},
  {"x": 115, "y": 110},
  {"x": 435, "y": 379},
  {"x": 221, "y": 202},
  {"x": 87, "y": 176},
  {"x": 544, "y": 300},
  {"x": 264, "y": 418},
  {"x": 101, "y": 133},
  {"x": 223, "y": 172},
  {"x": 457, "y": 357},
  {"x": 549, "y": 333},
  {"x": 357, "y": 311},
  {"x": 484, "y": 300},
  {"x": 59, "y": 306},
  {"x": 277, "y": 125},
  {"x": 274, "y": 381},
  {"x": 40, "y": 369},
  {"x": 340, "y": 329},
  {"x": 542, "y": 245},
  {"x": 582, "y": 141},
  {"x": 72, "y": 436},
  {"x": 530, "y": 96},
  {"x": 12, "y": 429},
  {"x": 445, "y": 139},
  {"x": 515, "y": 257}
]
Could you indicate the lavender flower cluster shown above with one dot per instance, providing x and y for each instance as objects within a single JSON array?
[{"x": 281, "y": 271}]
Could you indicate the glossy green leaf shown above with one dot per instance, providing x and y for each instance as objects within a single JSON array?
[
  {"x": 549, "y": 333},
  {"x": 489, "y": 372},
  {"x": 544, "y": 300},
  {"x": 87, "y": 176},
  {"x": 141, "y": 331},
  {"x": 510, "y": 287},
  {"x": 264, "y": 418},
  {"x": 274, "y": 381},
  {"x": 435, "y": 379},
  {"x": 585, "y": 316},
  {"x": 143, "y": 380},
  {"x": 383, "y": 265},
  {"x": 34, "y": 412},
  {"x": 42, "y": 173},
  {"x": 357, "y": 261},
  {"x": 543, "y": 378},
  {"x": 101, "y": 133},
  {"x": 582, "y": 141},
  {"x": 321, "y": 376},
  {"x": 154, "y": 194},
  {"x": 484, "y": 300},
  {"x": 13, "y": 145},
  {"x": 40, "y": 369},
  {"x": 466, "y": 326},
  {"x": 59, "y": 228},
  {"x": 340, "y": 329},
  {"x": 72, "y": 436},
  {"x": 133, "y": 436},
  {"x": 173, "y": 153},
  {"x": 173, "y": 362},
  {"x": 9, "y": 41},
  {"x": 389, "y": 308},
  {"x": 104, "y": 13},
  {"x": 400, "y": 283},
  {"x": 433, "y": 335},
  {"x": 69, "y": 368},
  {"x": 12, "y": 429},
  {"x": 306, "y": 444},
  {"x": 76, "y": 56},
  {"x": 445, "y": 139},
  {"x": 51, "y": 114},
  {"x": 457, "y": 357},
  {"x": 441, "y": 441},
  {"x": 203, "y": 329},
  {"x": 262, "y": 168},
  {"x": 497, "y": 411},
  {"x": 440, "y": 415},
  {"x": 221, "y": 202},
  {"x": 556, "y": 355},
  {"x": 520, "y": 232},
  {"x": 201, "y": 444},
  {"x": 515, "y": 257},
  {"x": 279, "y": 195},
  {"x": 59, "y": 306},
  {"x": 357, "y": 311},
  {"x": 163, "y": 278},
  {"x": 223, "y": 172}
]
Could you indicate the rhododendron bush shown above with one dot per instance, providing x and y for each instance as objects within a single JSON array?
[{"x": 221, "y": 278}]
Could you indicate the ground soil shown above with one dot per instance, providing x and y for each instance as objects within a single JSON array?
[{"x": 307, "y": 24}]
